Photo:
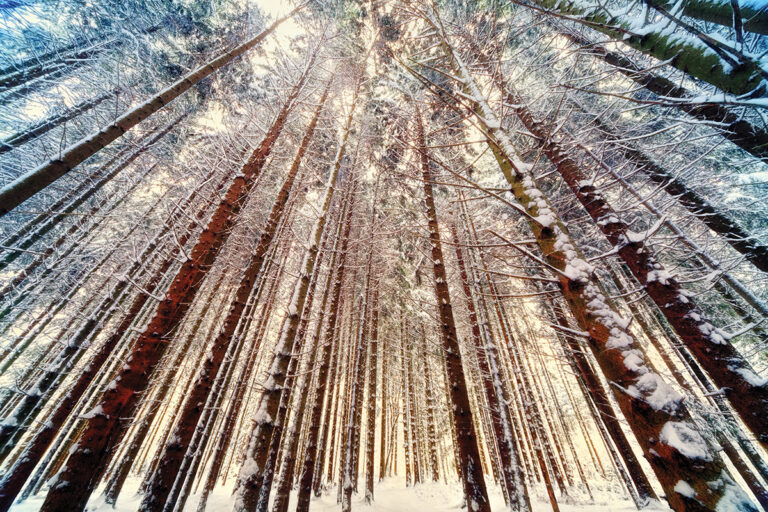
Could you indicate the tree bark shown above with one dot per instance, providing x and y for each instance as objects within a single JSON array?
[
  {"x": 164, "y": 490},
  {"x": 105, "y": 429},
  {"x": 473, "y": 480},
  {"x": 36, "y": 180}
]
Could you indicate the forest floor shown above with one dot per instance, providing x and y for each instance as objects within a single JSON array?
[{"x": 391, "y": 495}]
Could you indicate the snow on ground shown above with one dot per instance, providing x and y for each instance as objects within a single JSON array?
[{"x": 390, "y": 495}]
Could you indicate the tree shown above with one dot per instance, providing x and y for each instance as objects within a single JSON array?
[
  {"x": 34, "y": 181},
  {"x": 471, "y": 469},
  {"x": 249, "y": 290},
  {"x": 104, "y": 429}
]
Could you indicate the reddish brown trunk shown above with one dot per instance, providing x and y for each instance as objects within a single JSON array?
[
  {"x": 434, "y": 463},
  {"x": 511, "y": 471},
  {"x": 20, "y": 472},
  {"x": 104, "y": 430},
  {"x": 116, "y": 481},
  {"x": 726, "y": 366},
  {"x": 473, "y": 479},
  {"x": 607, "y": 416},
  {"x": 164, "y": 490}
]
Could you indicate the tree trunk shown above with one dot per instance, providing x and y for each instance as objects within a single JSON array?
[
  {"x": 375, "y": 352},
  {"x": 607, "y": 416},
  {"x": 32, "y": 182},
  {"x": 104, "y": 430},
  {"x": 43, "y": 127},
  {"x": 251, "y": 475},
  {"x": 685, "y": 53},
  {"x": 652, "y": 408},
  {"x": 473, "y": 479},
  {"x": 727, "y": 367},
  {"x": 740, "y": 131},
  {"x": 164, "y": 489},
  {"x": 733, "y": 234},
  {"x": 503, "y": 427},
  {"x": 319, "y": 352}
]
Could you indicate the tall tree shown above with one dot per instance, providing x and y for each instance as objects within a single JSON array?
[
  {"x": 34, "y": 181},
  {"x": 252, "y": 472},
  {"x": 472, "y": 476},
  {"x": 163, "y": 492},
  {"x": 104, "y": 430}
]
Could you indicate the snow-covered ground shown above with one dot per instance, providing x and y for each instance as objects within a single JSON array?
[{"x": 391, "y": 495}]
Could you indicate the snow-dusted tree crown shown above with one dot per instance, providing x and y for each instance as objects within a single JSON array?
[{"x": 383, "y": 254}]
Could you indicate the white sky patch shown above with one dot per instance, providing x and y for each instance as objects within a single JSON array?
[
  {"x": 286, "y": 31},
  {"x": 213, "y": 118}
]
